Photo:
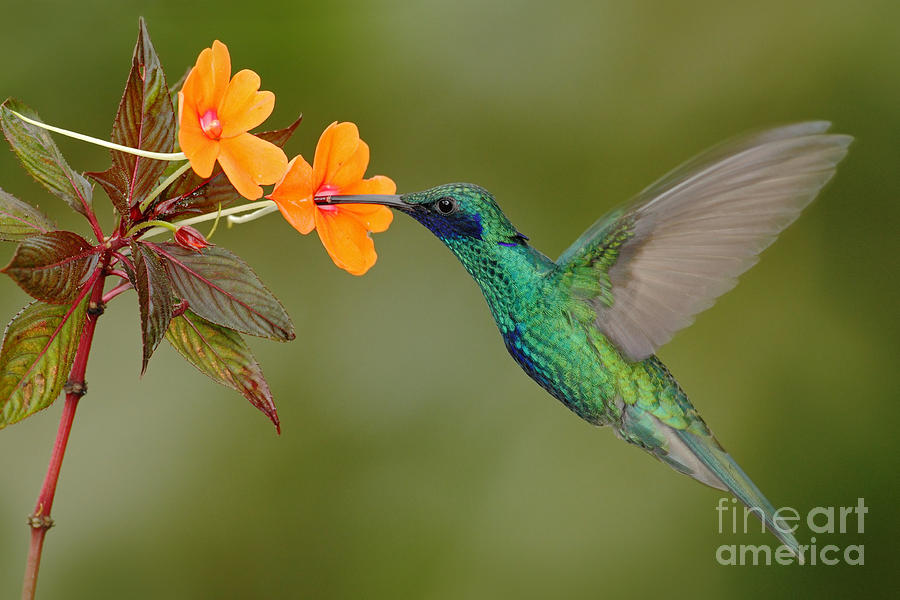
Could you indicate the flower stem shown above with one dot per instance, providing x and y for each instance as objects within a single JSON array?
[
  {"x": 104, "y": 143},
  {"x": 215, "y": 224},
  {"x": 162, "y": 186},
  {"x": 122, "y": 287},
  {"x": 40, "y": 520},
  {"x": 265, "y": 210},
  {"x": 258, "y": 205},
  {"x": 145, "y": 224}
]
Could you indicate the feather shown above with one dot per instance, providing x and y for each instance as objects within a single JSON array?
[{"x": 691, "y": 234}]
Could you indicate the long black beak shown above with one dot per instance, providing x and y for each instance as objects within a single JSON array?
[{"x": 390, "y": 200}]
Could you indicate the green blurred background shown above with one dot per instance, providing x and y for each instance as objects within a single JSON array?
[{"x": 417, "y": 461}]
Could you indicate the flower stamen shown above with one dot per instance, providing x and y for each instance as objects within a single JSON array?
[{"x": 210, "y": 124}]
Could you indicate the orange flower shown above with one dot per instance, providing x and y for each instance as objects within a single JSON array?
[
  {"x": 214, "y": 115},
  {"x": 339, "y": 166}
]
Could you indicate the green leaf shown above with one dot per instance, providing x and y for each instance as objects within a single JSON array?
[
  {"x": 154, "y": 292},
  {"x": 53, "y": 266},
  {"x": 145, "y": 120},
  {"x": 205, "y": 195},
  {"x": 19, "y": 220},
  {"x": 38, "y": 349},
  {"x": 41, "y": 158},
  {"x": 223, "y": 356},
  {"x": 222, "y": 288}
]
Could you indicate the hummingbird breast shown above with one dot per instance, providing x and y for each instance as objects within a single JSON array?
[
  {"x": 559, "y": 356},
  {"x": 573, "y": 363}
]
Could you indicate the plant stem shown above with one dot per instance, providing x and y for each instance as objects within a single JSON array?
[
  {"x": 122, "y": 287},
  {"x": 40, "y": 520},
  {"x": 265, "y": 210},
  {"x": 119, "y": 274},
  {"x": 253, "y": 206},
  {"x": 147, "y": 224},
  {"x": 104, "y": 143},
  {"x": 162, "y": 186},
  {"x": 92, "y": 219}
]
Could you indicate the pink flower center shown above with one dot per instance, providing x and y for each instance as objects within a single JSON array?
[
  {"x": 209, "y": 123},
  {"x": 327, "y": 190}
]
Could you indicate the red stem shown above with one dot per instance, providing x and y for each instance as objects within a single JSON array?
[
  {"x": 92, "y": 218},
  {"x": 122, "y": 287},
  {"x": 40, "y": 521},
  {"x": 118, "y": 273}
]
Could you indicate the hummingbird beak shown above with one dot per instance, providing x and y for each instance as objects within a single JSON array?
[{"x": 389, "y": 200}]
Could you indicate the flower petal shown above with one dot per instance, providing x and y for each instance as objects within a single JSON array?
[
  {"x": 352, "y": 169},
  {"x": 207, "y": 81},
  {"x": 373, "y": 217},
  {"x": 337, "y": 145},
  {"x": 221, "y": 68},
  {"x": 376, "y": 218},
  {"x": 294, "y": 196},
  {"x": 243, "y": 106},
  {"x": 346, "y": 241},
  {"x": 198, "y": 148},
  {"x": 248, "y": 160},
  {"x": 378, "y": 184}
]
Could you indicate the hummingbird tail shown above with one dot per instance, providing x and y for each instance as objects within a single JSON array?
[
  {"x": 701, "y": 457},
  {"x": 732, "y": 478}
]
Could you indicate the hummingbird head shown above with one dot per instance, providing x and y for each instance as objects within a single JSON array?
[{"x": 460, "y": 214}]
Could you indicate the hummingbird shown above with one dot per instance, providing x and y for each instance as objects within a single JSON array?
[{"x": 586, "y": 327}]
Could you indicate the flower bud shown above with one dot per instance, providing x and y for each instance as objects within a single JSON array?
[{"x": 190, "y": 238}]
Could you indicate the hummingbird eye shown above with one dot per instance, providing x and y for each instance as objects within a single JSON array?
[{"x": 445, "y": 205}]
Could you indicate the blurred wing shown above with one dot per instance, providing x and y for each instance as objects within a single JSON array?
[{"x": 647, "y": 269}]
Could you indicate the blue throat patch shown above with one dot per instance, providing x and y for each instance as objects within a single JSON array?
[{"x": 451, "y": 227}]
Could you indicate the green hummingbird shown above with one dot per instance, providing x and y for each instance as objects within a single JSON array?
[{"x": 586, "y": 326}]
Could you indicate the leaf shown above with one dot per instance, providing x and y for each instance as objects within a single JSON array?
[
  {"x": 223, "y": 356},
  {"x": 145, "y": 120},
  {"x": 41, "y": 158},
  {"x": 154, "y": 292},
  {"x": 19, "y": 220},
  {"x": 53, "y": 266},
  {"x": 176, "y": 87},
  {"x": 204, "y": 195},
  {"x": 280, "y": 137},
  {"x": 38, "y": 349},
  {"x": 222, "y": 288}
]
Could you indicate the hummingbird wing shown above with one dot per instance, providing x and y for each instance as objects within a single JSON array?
[{"x": 648, "y": 268}]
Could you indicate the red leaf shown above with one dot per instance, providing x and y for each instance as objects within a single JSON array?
[
  {"x": 145, "y": 120},
  {"x": 222, "y": 288},
  {"x": 155, "y": 300},
  {"x": 280, "y": 137},
  {"x": 53, "y": 266}
]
